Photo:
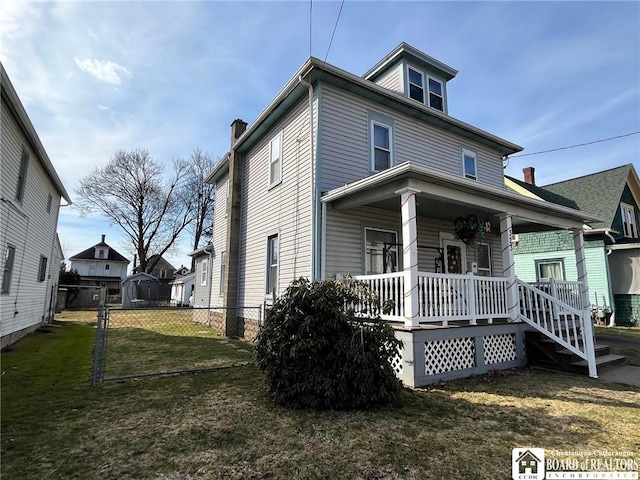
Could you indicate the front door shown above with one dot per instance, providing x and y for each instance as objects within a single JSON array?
[{"x": 455, "y": 256}]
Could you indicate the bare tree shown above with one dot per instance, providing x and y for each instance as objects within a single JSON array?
[
  {"x": 131, "y": 192},
  {"x": 201, "y": 195}
]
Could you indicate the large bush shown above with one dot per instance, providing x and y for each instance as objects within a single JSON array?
[{"x": 317, "y": 352}]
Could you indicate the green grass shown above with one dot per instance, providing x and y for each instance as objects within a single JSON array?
[
  {"x": 221, "y": 424},
  {"x": 622, "y": 341}
]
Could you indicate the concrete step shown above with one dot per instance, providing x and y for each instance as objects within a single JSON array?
[
  {"x": 602, "y": 363},
  {"x": 600, "y": 351}
]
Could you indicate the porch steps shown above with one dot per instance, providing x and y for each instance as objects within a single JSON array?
[{"x": 546, "y": 353}]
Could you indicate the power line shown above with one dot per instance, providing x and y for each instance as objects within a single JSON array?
[
  {"x": 577, "y": 145},
  {"x": 334, "y": 32},
  {"x": 310, "y": 24}
]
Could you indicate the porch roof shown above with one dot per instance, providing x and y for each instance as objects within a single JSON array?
[{"x": 447, "y": 196}]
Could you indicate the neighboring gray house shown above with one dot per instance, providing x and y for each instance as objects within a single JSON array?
[
  {"x": 370, "y": 176},
  {"x": 31, "y": 194},
  {"x": 164, "y": 272}
]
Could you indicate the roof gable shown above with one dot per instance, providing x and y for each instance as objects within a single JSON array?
[
  {"x": 90, "y": 254},
  {"x": 412, "y": 55}
]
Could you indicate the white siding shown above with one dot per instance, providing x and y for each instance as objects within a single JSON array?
[
  {"x": 117, "y": 270},
  {"x": 344, "y": 242},
  {"x": 28, "y": 227},
  {"x": 393, "y": 79},
  {"x": 219, "y": 238},
  {"x": 345, "y": 149},
  {"x": 285, "y": 208}
]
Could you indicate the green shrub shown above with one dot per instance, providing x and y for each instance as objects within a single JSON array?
[{"x": 317, "y": 353}]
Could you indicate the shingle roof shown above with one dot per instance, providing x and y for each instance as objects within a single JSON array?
[
  {"x": 546, "y": 194},
  {"x": 598, "y": 193},
  {"x": 90, "y": 254}
]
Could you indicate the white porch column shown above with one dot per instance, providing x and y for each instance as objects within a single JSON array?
[
  {"x": 509, "y": 267},
  {"x": 410, "y": 254},
  {"x": 581, "y": 265}
]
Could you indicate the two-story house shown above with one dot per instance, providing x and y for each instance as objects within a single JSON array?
[
  {"x": 612, "y": 247},
  {"x": 31, "y": 194},
  {"x": 101, "y": 265},
  {"x": 370, "y": 176}
]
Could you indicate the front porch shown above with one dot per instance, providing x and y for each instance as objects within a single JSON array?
[{"x": 454, "y": 315}]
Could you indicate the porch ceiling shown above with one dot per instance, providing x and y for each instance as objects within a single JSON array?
[{"x": 446, "y": 197}]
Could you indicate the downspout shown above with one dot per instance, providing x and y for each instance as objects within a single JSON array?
[
  {"x": 314, "y": 213},
  {"x": 612, "y": 319}
]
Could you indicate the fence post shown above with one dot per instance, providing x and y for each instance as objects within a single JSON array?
[
  {"x": 472, "y": 300},
  {"x": 96, "y": 374}
]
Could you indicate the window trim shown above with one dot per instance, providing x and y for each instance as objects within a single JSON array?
[
  {"x": 278, "y": 138},
  {"x": 548, "y": 261},
  {"x": 409, "y": 83},
  {"x": 269, "y": 265},
  {"x": 226, "y": 197},
  {"x": 204, "y": 272},
  {"x": 428, "y": 93},
  {"x": 22, "y": 176},
  {"x": 379, "y": 228},
  {"x": 388, "y": 123},
  {"x": 223, "y": 268},
  {"x": 7, "y": 273},
  {"x": 107, "y": 266},
  {"x": 471, "y": 153},
  {"x": 42, "y": 268},
  {"x": 630, "y": 212}
]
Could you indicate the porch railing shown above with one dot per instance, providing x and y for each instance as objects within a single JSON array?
[
  {"x": 566, "y": 292},
  {"x": 566, "y": 324},
  {"x": 441, "y": 297}
]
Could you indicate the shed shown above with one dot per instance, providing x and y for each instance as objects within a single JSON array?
[{"x": 140, "y": 290}]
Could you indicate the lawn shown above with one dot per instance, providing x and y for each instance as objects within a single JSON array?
[
  {"x": 622, "y": 341},
  {"x": 221, "y": 425}
]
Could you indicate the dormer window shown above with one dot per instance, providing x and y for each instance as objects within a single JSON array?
[
  {"x": 416, "y": 84},
  {"x": 629, "y": 225},
  {"x": 100, "y": 253},
  {"x": 436, "y": 96}
]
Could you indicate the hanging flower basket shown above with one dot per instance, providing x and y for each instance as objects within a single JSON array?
[{"x": 468, "y": 228}]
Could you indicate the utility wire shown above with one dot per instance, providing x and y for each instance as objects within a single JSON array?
[
  {"x": 574, "y": 146},
  {"x": 332, "y": 35},
  {"x": 310, "y": 24}
]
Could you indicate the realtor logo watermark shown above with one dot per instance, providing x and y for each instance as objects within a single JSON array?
[{"x": 536, "y": 464}]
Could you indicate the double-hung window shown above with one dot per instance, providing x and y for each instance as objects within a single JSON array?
[
  {"x": 275, "y": 160},
  {"x": 380, "y": 251},
  {"x": 548, "y": 269},
  {"x": 7, "y": 269},
  {"x": 381, "y": 146},
  {"x": 629, "y": 225},
  {"x": 42, "y": 271},
  {"x": 469, "y": 164},
  {"x": 22, "y": 176},
  {"x": 436, "y": 94},
  {"x": 223, "y": 267},
  {"x": 203, "y": 272},
  {"x": 416, "y": 84},
  {"x": 273, "y": 254}
]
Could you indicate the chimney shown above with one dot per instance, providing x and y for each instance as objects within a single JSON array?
[
  {"x": 102, "y": 241},
  {"x": 529, "y": 175},
  {"x": 237, "y": 128}
]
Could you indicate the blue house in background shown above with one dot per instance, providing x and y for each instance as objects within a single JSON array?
[{"x": 612, "y": 246}]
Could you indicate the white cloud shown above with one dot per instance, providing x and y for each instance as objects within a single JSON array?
[{"x": 104, "y": 70}]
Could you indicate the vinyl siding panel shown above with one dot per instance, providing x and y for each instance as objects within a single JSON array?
[
  {"x": 345, "y": 242},
  {"x": 284, "y": 209},
  {"x": 345, "y": 144},
  {"x": 28, "y": 227},
  {"x": 393, "y": 79},
  {"x": 219, "y": 239},
  {"x": 201, "y": 292}
]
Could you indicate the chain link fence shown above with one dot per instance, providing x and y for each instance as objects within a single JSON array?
[{"x": 133, "y": 343}]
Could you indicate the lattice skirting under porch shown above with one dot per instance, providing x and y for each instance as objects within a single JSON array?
[{"x": 432, "y": 355}]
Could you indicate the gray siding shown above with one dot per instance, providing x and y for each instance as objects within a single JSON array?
[
  {"x": 344, "y": 240},
  {"x": 219, "y": 239},
  {"x": 345, "y": 147},
  {"x": 201, "y": 292},
  {"x": 284, "y": 209},
  {"x": 28, "y": 227},
  {"x": 393, "y": 79}
]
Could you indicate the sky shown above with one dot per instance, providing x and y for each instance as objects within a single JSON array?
[{"x": 96, "y": 77}]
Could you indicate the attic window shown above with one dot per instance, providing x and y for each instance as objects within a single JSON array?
[
  {"x": 416, "y": 84},
  {"x": 629, "y": 225},
  {"x": 436, "y": 96},
  {"x": 100, "y": 253}
]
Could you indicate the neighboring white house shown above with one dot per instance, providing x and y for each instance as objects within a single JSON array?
[
  {"x": 370, "y": 176},
  {"x": 31, "y": 193},
  {"x": 182, "y": 289},
  {"x": 101, "y": 265}
]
